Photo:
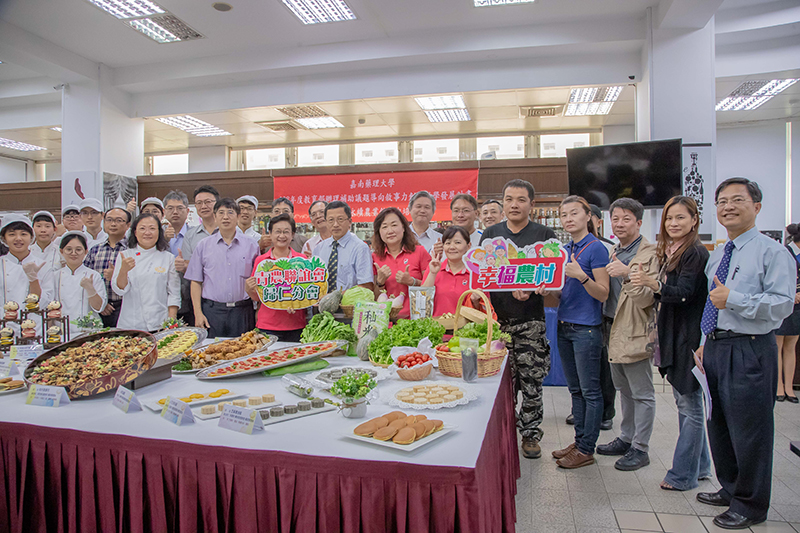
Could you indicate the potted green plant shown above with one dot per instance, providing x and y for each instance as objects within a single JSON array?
[{"x": 354, "y": 388}]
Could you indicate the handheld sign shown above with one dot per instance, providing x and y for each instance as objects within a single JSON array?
[
  {"x": 125, "y": 400},
  {"x": 47, "y": 396},
  {"x": 240, "y": 419},
  {"x": 498, "y": 265},
  {"x": 177, "y": 412},
  {"x": 295, "y": 283}
]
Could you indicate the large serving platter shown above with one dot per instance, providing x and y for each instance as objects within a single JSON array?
[
  {"x": 424, "y": 441},
  {"x": 201, "y": 333},
  {"x": 271, "y": 339},
  {"x": 334, "y": 345}
]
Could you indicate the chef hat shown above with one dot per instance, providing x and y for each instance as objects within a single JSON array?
[
  {"x": 69, "y": 207},
  {"x": 76, "y": 232},
  {"x": 92, "y": 203},
  {"x": 248, "y": 198},
  {"x": 47, "y": 214},
  {"x": 13, "y": 217},
  {"x": 153, "y": 201}
]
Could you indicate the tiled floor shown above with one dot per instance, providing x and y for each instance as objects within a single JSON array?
[{"x": 601, "y": 499}]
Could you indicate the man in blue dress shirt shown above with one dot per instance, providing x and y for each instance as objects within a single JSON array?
[
  {"x": 752, "y": 285},
  {"x": 348, "y": 258}
]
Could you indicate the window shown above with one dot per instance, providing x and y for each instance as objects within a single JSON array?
[
  {"x": 376, "y": 153},
  {"x": 556, "y": 145},
  {"x": 436, "y": 150},
  {"x": 417, "y": 151},
  {"x": 265, "y": 158},
  {"x": 511, "y": 147},
  {"x": 441, "y": 150},
  {"x": 318, "y": 156},
  {"x": 171, "y": 164}
]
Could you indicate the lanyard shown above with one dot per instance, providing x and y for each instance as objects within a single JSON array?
[{"x": 585, "y": 246}]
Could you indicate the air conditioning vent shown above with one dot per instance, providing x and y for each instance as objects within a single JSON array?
[
  {"x": 303, "y": 111},
  {"x": 540, "y": 111},
  {"x": 281, "y": 125}
]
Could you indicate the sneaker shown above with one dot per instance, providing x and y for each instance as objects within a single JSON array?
[
  {"x": 558, "y": 454},
  {"x": 615, "y": 447},
  {"x": 531, "y": 448},
  {"x": 633, "y": 460},
  {"x": 575, "y": 459},
  {"x": 605, "y": 425},
  {"x": 570, "y": 420}
]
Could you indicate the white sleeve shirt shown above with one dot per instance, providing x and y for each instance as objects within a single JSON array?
[
  {"x": 66, "y": 288},
  {"x": 153, "y": 286}
]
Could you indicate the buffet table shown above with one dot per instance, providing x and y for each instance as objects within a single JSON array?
[{"x": 87, "y": 466}]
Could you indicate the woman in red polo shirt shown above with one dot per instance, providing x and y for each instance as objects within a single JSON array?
[
  {"x": 284, "y": 324},
  {"x": 399, "y": 260},
  {"x": 450, "y": 277}
]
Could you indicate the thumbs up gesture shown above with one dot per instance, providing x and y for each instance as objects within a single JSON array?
[
  {"x": 32, "y": 271},
  {"x": 573, "y": 270},
  {"x": 180, "y": 262},
  {"x": 404, "y": 277},
  {"x": 169, "y": 231},
  {"x": 265, "y": 241},
  {"x": 382, "y": 273},
  {"x": 88, "y": 286},
  {"x": 127, "y": 265},
  {"x": 616, "y": 268},
  {"x": 719, "y": 294}
]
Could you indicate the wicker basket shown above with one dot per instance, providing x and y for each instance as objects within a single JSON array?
[
  {"x": 415, "y": 373},
  {"x": 348, "y": 312},
  {"x": 489, "y": 362}
]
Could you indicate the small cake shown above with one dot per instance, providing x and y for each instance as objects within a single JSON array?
[
  {"x": 450, "y": 397},
  {"x": 196, "y": 396},
  {"x": 11, "y": 309},
  {"x": 264, "y": 414},
  {"x": 304, "y": 406},
  {"x": 28, "y": 329},
  {"x": 419, "y": 395},
  {"x": 418, "y": 388},
  {"x": 437, "y": 400},
  {"x": 406, "y": 391},
  {"x": 6, "y": 336},
  {"x": 267, "y": 398},
  {"x": 276, "y": 411},
  {"x": 53, "y": 335},
  {"x": 290, "y": 409},
  {"x": 458, "y": 394},
  {"x": 254, "y": 400},
  {"x": 422, "y": 400},
  {"x": 32, "y": 302},
  {"x": 240, "y": 403},
  {"x": 208, "y": 410},
  {"x": 221, "y": 405},
  {"x": 54, "y": 309},
  {"x": 317, "y": 403}
]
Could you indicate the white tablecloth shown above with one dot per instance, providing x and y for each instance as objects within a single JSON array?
[{"x": 319, "y": 434}]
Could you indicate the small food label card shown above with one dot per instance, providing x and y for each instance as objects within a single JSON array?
[
  {"x": 240, "y": 419},
  {"x": 125, "y": 400},
  {"x": 47, "y": 396},
  {"x": 177, "y": 412},
  {"x": 26, "y": 353},
  {"x": 8, "y": 367}
]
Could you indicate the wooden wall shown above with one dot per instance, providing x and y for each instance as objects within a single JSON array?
[{"x": 31, "y": 196}]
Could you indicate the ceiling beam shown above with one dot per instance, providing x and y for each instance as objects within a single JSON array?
[{"x": 685, "y": 14}]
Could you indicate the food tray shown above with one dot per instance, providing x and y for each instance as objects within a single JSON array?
[
  {"x": 424, "y": 441},
  {"x": 300, "y": 414},
  {"x": 469, "y": 396},
  {"x": 271, "y": 339},
  {"x": 153, "y": 405},
  {"x": 107, "y": 382},
  {"x": 218, "y": 413},
  {"x": 18, "y": 389},
  {"x": 204, "y": 373},
  {"x": 201, "y": 333},
  {"x": 326, "y": 382}
]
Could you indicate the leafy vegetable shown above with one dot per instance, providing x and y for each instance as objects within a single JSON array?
[
  {"x": 353, "y": 385},
  {"x": 404, "y": 333},
  {"x": 357, "y": 294},
  {"x": 185, "y": 364},
  {"x": 323, "y": 327},
  {"x": 474, "y": 330}
]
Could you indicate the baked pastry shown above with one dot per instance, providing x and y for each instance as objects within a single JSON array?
[
  {"x": 385, "y": 433},
  {"x": 11, "y": 309},
  {"x": 32, "y": 302},
  {"x": 276, "y": 411},
  {"x": 397, "y": 424},
  {"x": 267, "y": 398},
  {"x": 28, "y": 328},
  {"x": 366, "y": 429},
  {"x": 53, "y": 335},
  {"x": 436, "y": 401},
  {"x": 405, "y": 436},
  {"x": 221, "y": 405},
  {"x": 264, "y": 414},
  {"x": 420, "y": 429},
  {"x": 439, "y": 425},
  {"x": 239, "y": 403},
  {"x": 290, "y": 409},
  {"x": 254, "y": 400},
  {"x": 421, "y": 401},
  {"x": 394, "y": 415},
  {"x": 450, "y": 397},
  {"x": 13, "y": 384},
  {"x": 208, "y": 410},
  {"x": 429, "y": 427},
  {"x": 458, "y": 394},
  {"x": 197, "y": 396},
  {"x": 54, "y": 309},
  {"x": 6, "y": 336},
  {"x": 381, "y": 421},
  {"x": 304, "y": 406},
  {"x": 316, "y": 403}
]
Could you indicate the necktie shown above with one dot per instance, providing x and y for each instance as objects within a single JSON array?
[
  {"x": 333, "y": 266},
  {"x": 710, "y": 312}
]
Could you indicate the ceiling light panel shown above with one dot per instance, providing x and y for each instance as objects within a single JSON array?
[
  {"x": 320, "y": 11},
  {"x": 319, "y": 123},
  {"x": 592, "y": 100},
  {"x": 448, "y": 115},
  {"x": 753, "y": 94},
  {"x": 16, "y": 145},
  {"x": 128, "y": 9},
  {"x": 195, "y": 126},
  {"x": 453, "y": 101},
  {"x": 488, "y": 3},
  {"x": 303, "y": 111},
  {"x": 150, "y": 19}
]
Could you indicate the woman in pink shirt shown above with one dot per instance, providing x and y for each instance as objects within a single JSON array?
[
  {"x": 450, "y": 277},
  {"x": 284, "y": 324},
  {"x": 399, "y": 260}
]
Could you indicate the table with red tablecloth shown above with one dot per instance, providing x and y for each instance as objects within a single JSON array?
[{"x": 89, "y": 467}]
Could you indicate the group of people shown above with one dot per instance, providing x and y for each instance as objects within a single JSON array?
[{"x": 624, "y": 307}]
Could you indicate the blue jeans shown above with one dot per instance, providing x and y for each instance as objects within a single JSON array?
[
  {"x": 692, "y": 459},
  {"x": 580, "y": 348}
]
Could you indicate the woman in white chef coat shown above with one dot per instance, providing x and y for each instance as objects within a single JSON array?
[
  {"x": 80, "y": 289},
  {"x": 145, "y": 277},
  {"x": 20, "y": 271}
]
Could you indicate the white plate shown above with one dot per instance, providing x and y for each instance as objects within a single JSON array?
[
  {"x": 218, "y": 413},
  {"x": 155, "y": 406},
  {"x": 424, "y": 441},
  {"x": 12, "y": 391},
  {"x": 469, "y": 395},
  {"x": 299, "y": 414}
]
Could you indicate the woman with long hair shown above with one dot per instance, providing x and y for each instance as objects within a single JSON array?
[
  {"x": 145, "y": 277},
  {"x": 398, "y": 259},
  {"x": 681, "y": 290},
  {"x": 580, "y": 337},
  {"x": 788, "y": 333}
]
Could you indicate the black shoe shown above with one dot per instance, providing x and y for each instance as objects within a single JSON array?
[
  {"x": 792, "y": 399},
  {"x": 633, "y": 460},
  {"x": 713, "y": 498},
  {"x": 570, "y": 420},
  {"x": 780, "y": 398},
  {"x": 615, "y": 447},
  {"x": 731, "y": 520},
  {"x": 606, "y": 424}
]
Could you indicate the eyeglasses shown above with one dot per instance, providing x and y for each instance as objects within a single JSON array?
[
  {"x": 226, "y": 212},
  {"x": 202, "y": 203},
  {"x": 286, "y": 233},
  {"x": 172, "y": 208},
  {"x": 340, "y": 221},
  {"x": 738, "y": 201},
  {"x": 116, "y": 220},
  {"x": 71, "y": 217},
  {"x": 246, "y": 208},
  {"x": 463, "y": 211}
]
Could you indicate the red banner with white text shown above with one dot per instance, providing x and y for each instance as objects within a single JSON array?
[{"x": 368, "y": 194}]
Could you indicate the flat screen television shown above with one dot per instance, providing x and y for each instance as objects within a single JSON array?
[{"x": 650, "y": 172}]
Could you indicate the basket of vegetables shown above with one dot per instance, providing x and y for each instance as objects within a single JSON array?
[
  {"x": 323, "y": 327},
  {"x": 362, "y": 294},
  {"x": 490, "y": 357}
]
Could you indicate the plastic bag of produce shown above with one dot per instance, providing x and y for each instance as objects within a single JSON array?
[
  {"x": 371, "y": 315},
  {"x": 421, "y": 301}
]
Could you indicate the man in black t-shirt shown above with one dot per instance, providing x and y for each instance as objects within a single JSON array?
[{"x": 521, "y": 315}]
